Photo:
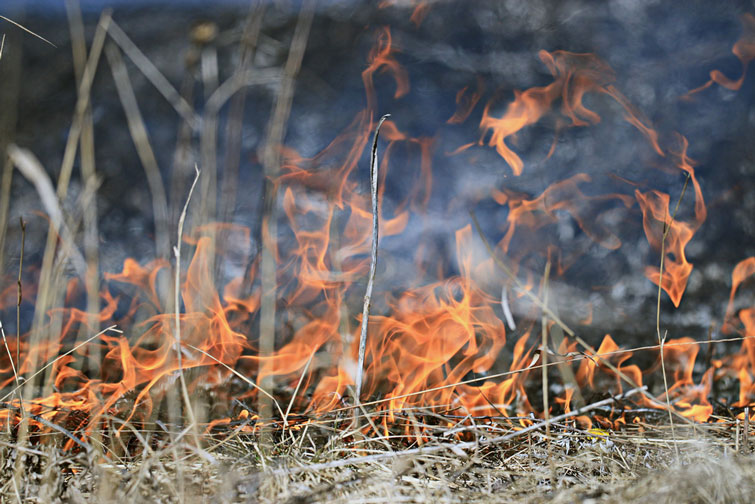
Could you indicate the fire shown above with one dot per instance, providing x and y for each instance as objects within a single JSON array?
[
  {"x": 744, "y": 50},
  {"x": 575, "y": 75},
  {"x": 439, "y": 338}
]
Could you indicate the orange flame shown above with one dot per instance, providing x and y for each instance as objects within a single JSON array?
[{"x": 744, "y": 50}]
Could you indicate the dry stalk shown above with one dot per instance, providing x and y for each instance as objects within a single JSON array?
[
  {"x": 238, "y": 375},
  {"x": 56, "y": 359},
  {"x": 248, "y": 46},
  {"x": 15, "y": 366},
  {"x": 82, "y": 103},
  {"x": 544, "y": 356},
  {"x": 373, "y": 258},
  {"x": 746, "y": 439},
  {"x": 86, "y": 153},
  {"x": 17, "y": 25},
  {"x": 49, "y": 292},
  {"x": 143, "y": 148},
  {"x": 662, "y": 340},
  {"x": 296, "y": 390},
  {"x": 10, "y": 357},
  {"x": 19, "y": 285},
  {"x": 177, "y": 300},
  {"x": 11, "y": 83},
  {"x": 276, "y": 133},
  {"x": 150, "y": 71}
]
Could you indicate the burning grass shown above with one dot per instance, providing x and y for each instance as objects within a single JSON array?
[{"x": 246, "y": 375}]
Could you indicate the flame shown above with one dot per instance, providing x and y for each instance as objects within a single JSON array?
[
  {"x": 437, "y": 340},
  {"x": 466, "y": 102},
  {"x": 744, "y": 50},
  {"x": 673, "y": 235},
  {"x": 574, "y": 75}
]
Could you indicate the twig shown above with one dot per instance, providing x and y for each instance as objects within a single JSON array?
[
  {"x": 52, "y": 425},
  {"x": 239, "y": 375},
  {"x": 143, "y": 148},
  {"x": 296, "y": 390},
  {"x": 373, "y": 258},
  {"x": 570, "y": 359},
  {"x": 276, "y": 133},
  {"x": 177, "y": 300},
  {"x": 89, "y": 176},
  {"x": 111, "y": 328},
  {"x": 234, "y": 123},
  {"x": 544, "y": 357},
  {"x": 457, "y": 446},
  {"x": 7, "y": 349},
  {"x": 27, "y": 31},
  {"x": 150, "y": 71},
  {"x": 661, "y": 341},
  {"x": 82, "y": 103},
  {"x": 20, "y": 293},
  {"x": 746, "y": 439}
]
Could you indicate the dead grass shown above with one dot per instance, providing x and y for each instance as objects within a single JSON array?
[{"x": 636, "y": 464}]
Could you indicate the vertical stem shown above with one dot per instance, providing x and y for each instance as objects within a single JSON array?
[
  {"x": 373, "y": 259},
  {"x": 177, "y": 300},
  {"x": 271, "y": 165},
  {"x": 662, "y": 340}
]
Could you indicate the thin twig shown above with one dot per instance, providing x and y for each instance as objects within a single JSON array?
[
  {"x": 271, "y": 152},
  {"x": 575, "y": 357},
  {"x": 7, "y": 349},
  {"x": 662, "y": 340},
  {"x": 150, "y": 71},
  {"x": 177, "y": 300},
  {"x": 82, "y": 104},
  {"x": 746, "y": 440},
  {"x": 373, "y": 258},
  {"x": 296, "y": 390},
  {"x": 89, "y": 176},
  {"x": 544, "y": 357},
  {"x": 20, "y": 293},
  {"x": 238, "y": 375},
  {"x": 234, "y": 123},
  {"x": 144, "y": 150},
  {"x": 52, "y": 425},
  {"x": 72, "y": 350},
  {"x": 40, "y": 37}
]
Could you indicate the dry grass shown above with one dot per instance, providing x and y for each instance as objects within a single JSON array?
[{"x": 305, "y": 464}]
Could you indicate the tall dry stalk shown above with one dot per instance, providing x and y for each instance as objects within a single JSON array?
[
  {"x": 271, "y": 166},
  {"x": 373, "y": 260}
]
